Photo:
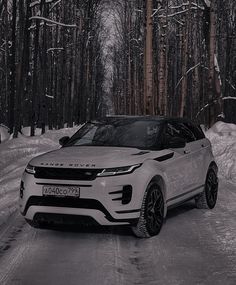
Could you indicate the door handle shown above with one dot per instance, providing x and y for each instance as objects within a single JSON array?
[{"x": 187, "y": 151}]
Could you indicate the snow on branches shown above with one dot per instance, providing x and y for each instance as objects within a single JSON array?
[{"x": 52, "y": 21}]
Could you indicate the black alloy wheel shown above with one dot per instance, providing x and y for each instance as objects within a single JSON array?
[
  {"x": 211, "y": 188},
  {"x": 154, "y": 210}
]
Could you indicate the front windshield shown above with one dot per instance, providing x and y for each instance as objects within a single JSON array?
[{"x": 124, "y": 133}]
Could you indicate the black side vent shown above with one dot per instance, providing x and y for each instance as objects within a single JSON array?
[
  {"x": 164, "y": 157},
  {"x": 125, "y": 194},
  {"x": 141, "y": 153}
]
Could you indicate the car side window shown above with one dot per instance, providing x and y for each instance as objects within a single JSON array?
[
  {"x": 171, "y": 130},
  {"x": 179, "y": 129},
  {"x": 196, "y": 130}
]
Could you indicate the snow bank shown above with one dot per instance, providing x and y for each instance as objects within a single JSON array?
[
  {"x": 14, "y": 155},
  {"x": 223, "y": 139},
  {"x": 16, "y": 149},
  {"x": 4, "y": 135},
  {"x": 26, "y": 131}
]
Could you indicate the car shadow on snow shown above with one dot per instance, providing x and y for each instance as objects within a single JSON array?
[
  {"x": 117, "y": 230},
  {"x": 83, "y": 229},
  {"x": 181, "y": 209}
]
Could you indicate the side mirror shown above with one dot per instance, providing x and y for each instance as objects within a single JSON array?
[
  {"x": 176, "y": 142},
  {"x": 64, "y": 140}
]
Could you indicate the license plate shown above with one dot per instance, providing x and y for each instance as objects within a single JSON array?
[{"x": 61, "y": 191}]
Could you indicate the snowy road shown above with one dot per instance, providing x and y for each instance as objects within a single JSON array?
[{"x": 194, "y": 247}]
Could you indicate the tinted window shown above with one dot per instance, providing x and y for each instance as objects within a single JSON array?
[
  {"x": 196, "y": 130},
  {"x": 178, "y": 129},
  {"x": 123, "y": 133}
]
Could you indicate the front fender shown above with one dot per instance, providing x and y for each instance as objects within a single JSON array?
[{"x": 154, "y": 171}]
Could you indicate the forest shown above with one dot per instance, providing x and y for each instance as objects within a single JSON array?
[{"x": 63, "y": 62}]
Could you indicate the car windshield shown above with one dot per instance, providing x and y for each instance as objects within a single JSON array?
[{"x": 127, "y": 133}]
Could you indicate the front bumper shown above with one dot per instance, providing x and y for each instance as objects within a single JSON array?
[{"x": 100, "y": 199}]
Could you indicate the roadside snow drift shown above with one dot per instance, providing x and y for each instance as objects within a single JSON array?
[
  {"x": 14, "y": 156},
  {"x": 4, "y": 135},
  {"x": 223, "y": 140}
]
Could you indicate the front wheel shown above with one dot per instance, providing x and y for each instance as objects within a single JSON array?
[
  {"x": 152, "y": 212},
  {"x": 207, "y": 199}
]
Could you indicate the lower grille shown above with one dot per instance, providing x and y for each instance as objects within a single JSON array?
[
  {"x": 64, "y": 202},
  {"x": 59, "y": 219}
]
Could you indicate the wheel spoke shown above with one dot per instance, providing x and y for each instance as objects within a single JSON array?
[
  {"x": 159, "y": 203},
  {"x": 149, "y": 206},
  {"x": 152, "y": 222}
]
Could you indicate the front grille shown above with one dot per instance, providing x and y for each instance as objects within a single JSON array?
[{"x": 66, "y": 173}]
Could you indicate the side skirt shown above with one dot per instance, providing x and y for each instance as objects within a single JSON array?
[{"x": 185, "y": 199}]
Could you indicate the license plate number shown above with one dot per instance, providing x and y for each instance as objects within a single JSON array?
[{"x": 61, "y": 191}]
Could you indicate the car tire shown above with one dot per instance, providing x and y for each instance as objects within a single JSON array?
[
  {"x": 152, "y": 212},
  {"x": 207, "y": 199}
]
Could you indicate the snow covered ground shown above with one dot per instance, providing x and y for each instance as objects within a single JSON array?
[
  {"x": 14, "y": 156},
  {"x": 223, "y": 139},
  {"x": 194, "y": 246}
]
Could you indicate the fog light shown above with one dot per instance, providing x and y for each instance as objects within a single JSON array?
[
  {"x": 22, "y": 189},
  {"x": 126, "y": 194}
]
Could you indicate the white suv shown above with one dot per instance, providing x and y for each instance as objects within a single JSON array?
[{"x": 121, "y": 170}]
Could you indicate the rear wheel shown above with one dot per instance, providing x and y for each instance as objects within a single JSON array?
[
  {"x": 207, "y": 199},
  {"x": 152, "y": 212}
]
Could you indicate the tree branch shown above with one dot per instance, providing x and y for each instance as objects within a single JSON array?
[{"x": 53, "y": 22}]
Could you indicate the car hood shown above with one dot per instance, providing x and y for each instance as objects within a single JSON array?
[{"x": 95, "y": 157}]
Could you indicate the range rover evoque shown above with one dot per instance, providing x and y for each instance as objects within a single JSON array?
[{"x": 121, "y": 170}]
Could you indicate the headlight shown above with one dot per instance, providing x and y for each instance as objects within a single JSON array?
[
  {"x": 118, "y": 170},
  {"x": 30, "y": 169}
]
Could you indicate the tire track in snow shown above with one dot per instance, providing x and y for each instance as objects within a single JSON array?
[
  {"x": 119, "y": 271},
  {"x": 194, "y": 247},
  {"x": 133, "y": 259},
  {"x": 12, "y": 251},
  {"x": 8, "y": 205}
]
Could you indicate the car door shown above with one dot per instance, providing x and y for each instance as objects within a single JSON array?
[
  {"x": 180, "y": 172},
  {"x": 199, "y": 148},
  {"x": 194, "y": 154}
]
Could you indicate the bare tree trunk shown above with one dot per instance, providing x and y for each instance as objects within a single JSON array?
[
  {"x": 185, "y": 42},
  {"x": 212, "y": 52},
  {"x": 162, "y": 70},
  {"x": 20, "y": 71},
  {"x": 44, "y": 70},
  {"x": 11, "y": 111},
  {"x": 35, "y": 79},
  {"x": 73, "y": 78},
  {"x": 6, "y": 59},
  {"x": 148, "y": 63},
  {"x": 129, "y": 101}
]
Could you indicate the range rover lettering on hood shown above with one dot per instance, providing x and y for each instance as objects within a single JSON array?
[{"x": 87, "y": 165}]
